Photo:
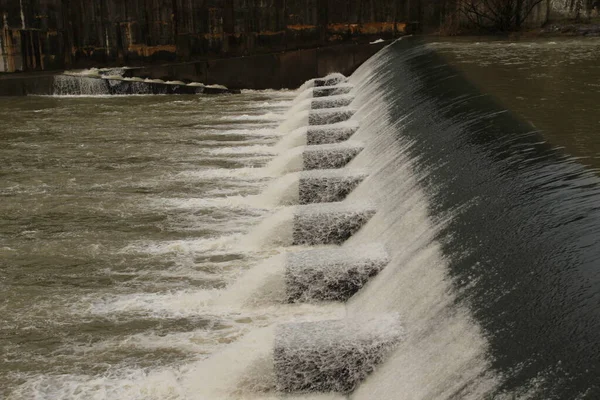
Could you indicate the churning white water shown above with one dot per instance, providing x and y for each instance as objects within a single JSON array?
[{"x": 327, "y": 282}]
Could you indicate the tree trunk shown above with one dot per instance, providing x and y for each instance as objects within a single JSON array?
[{"x": 519, "y": 14}]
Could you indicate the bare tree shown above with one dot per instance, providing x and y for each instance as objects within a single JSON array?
[{"x": 498, "y": 15}]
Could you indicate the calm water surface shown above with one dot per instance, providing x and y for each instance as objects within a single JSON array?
[{"x": 552, "y": 83}]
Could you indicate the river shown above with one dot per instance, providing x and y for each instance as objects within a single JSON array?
[{"x": 155, "y": 247}]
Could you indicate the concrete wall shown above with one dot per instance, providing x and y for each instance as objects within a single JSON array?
[
  {"x": 54, "y": 34},
  {"x": 26, "y": 84}
]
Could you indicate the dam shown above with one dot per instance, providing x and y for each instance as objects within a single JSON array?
[{"x": 391, "y": 234}]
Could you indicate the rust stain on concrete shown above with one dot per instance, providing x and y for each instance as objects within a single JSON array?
[
  {"x": 11, "y": 44},
  {"x": 147, "y": 51},
  {"x": 301, "y": 27}
]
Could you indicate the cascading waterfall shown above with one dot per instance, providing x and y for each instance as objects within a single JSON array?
[
  {"x": 414, "y": 325},
  {"x": 412, "y": 243},
  {"x": 103, "y": 82},
  {"x": 65, "y": 85}
]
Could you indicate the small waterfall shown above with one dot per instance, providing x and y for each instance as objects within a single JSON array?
[
  {"x": 68, "y": 85},
  {"x": 302, "y": 106},
  {"x": 261, "y": 286},
  {"x": 326, "y": 156},
  {"x": 296, "y": 138},
  {"x": 303, "y": 96},
  {"x": 122, "y": 87},
  {"x": 290, "y": 161},
  {"x": 98, "y": 82},
  {"x": 295, "y": 121},
  {"x": 361, "y": 236}
]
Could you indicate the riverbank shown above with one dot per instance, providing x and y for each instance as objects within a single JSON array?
[
  {"x": 571, "y": 28},
  {"x": 565, "y": 28}
]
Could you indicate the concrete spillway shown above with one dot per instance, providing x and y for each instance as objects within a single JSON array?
[{"x": 393, "y": 234}]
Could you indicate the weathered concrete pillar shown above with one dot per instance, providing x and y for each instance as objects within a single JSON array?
[
  {"x": 327, "y": 186},
  {"x": 332, "y": 356},
  {"x": 331, "y": 223},
  {"x": 329, "y": 156},
  {"x": 331, "y": 274},
  {"x": 324, "y": 134}
]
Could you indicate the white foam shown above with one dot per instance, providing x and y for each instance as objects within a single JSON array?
[
  {"x": 113, "y": 77},
  {"x": 442, "y": 339},
  {"x": 302, "y": 96},
  {"x": 294, "y": 139},
  {"x": 261, "y": 286},
  {"x": 282, "y": 191},
  {"x": 92, "y": 72},
  {"x": 246, "y": 132},
  {"x": 253, "y": 117},
  {"x": 198, "y": 343},
  {"x": 215, "y": 86},
  {"x": 298, "y": 107},
  {"x": 193, "y": 203},
  {"x": 245, "y": 367},
  {"x": 275, "y": 231},
  {"x": 133, "y": 79},
  {"x": 290, "y": 161},
  {"x": 306, "y": 86},
  {"x": 184, "y": 246},
  {"x": 131, "y": 384},
  {"x": 246, "y": 174},
  {"x": 258, "y": 149}
]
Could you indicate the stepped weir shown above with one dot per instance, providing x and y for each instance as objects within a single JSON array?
[
  {"x": 392, "y": 234},
  {"x": 361, "y": 223},
  {"x": 313, "y": 182}
]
